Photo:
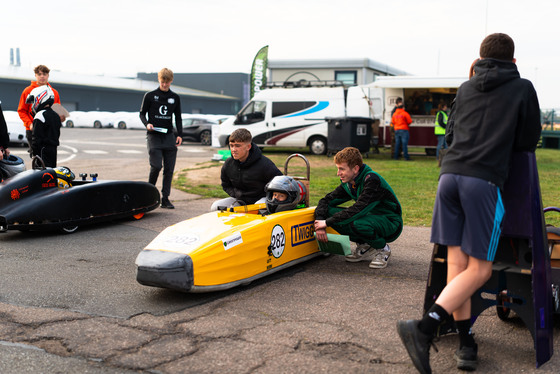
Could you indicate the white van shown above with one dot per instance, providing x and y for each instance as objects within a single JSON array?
[{"x": 295, "y": 117}]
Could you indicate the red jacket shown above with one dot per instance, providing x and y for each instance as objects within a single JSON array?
[
  {"x": 401, "y": 119},
  {"x": 24, "y": 110}
]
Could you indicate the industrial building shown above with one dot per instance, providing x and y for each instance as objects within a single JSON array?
[{"x": 206, "y": 93}]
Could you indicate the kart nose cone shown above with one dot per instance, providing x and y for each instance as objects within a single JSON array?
[{"x": 164, "y": 269}]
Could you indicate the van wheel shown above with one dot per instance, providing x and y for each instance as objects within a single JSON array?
[
  {"x": 318, "y": 145},
  {"x": 97, "y": 124},
  {"x": 122, "y": 125},
  {"x": 69, "y": 123}
]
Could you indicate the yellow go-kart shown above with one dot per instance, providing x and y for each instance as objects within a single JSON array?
[{"x": 224, "y": 249}]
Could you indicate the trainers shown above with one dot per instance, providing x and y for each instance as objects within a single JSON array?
[
  {"x": 381, "y": 258},
  {"x": 363, "y": 252},
  {"x": 467, "y": 358},
  {"x": 417, "y": 344},
  {"x": 165, "y": 203}
]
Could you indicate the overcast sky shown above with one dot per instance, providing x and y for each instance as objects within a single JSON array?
[{"x": 422, "y": 37}]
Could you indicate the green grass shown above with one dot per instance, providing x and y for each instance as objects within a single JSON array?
[{"x": 414, "y": 182}]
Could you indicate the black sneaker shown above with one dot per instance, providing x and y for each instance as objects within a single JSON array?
[
  {"x": 467, "y": 358},
  {"x": 165, "y": 203},
  {"x": 417, "y": 344}
]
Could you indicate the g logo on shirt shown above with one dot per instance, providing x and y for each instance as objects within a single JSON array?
[{"x": 163, "y": 110}]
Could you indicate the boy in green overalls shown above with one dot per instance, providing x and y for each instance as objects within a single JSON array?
[{"x": 375, "y": 218}]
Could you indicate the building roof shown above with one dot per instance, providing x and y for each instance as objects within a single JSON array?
[
  {"x": 102, "y": 81},
  {"x": 411, "y": 81},
  {"x": 350, "y": 63}
]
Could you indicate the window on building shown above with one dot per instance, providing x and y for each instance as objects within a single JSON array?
[{"x": 347, "y": 77}]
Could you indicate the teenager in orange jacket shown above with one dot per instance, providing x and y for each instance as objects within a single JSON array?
[{"x": 24, "y": 109}]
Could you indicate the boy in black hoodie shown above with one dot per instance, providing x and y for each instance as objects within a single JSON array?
[
  {"x": 246, "y": 173},
  {"x": 46, "y": 125},
  {"x": 495, "y": 113}
]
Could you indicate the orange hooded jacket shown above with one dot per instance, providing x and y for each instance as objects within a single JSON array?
[
  {"x": 401, "y": 119},
  {"x": 24, "y": 109}
]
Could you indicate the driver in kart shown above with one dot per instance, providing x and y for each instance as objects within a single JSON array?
[
  {"x": 245, "y": 174},
  {"x": 284, "y": 193}
]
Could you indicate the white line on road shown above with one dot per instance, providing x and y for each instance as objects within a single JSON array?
[
  {"x": 130, "y": 151},
  {"x": 95, "y": 152},
  {"x": 73, "y": 152},
  {"x": 192, "y": 150}
]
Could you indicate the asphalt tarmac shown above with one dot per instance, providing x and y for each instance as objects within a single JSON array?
[{"x": 70, "y": 303}]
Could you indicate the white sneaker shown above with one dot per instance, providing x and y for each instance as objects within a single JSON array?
[
  {"x": 381, "y": 258},
  {"x": 363, "y": 252}
]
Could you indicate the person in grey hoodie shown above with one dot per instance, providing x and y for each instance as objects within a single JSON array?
[{"x": 495, "y": 113}]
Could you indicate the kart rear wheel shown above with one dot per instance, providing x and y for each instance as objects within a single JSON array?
[
  {"x": 501, "y": 310},
  {"x": 69, "y": 229}
]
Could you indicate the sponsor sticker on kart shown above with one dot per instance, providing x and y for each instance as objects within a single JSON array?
[
  {"x": 302, "y": 233},
  {"x": 232, "y": 241}
]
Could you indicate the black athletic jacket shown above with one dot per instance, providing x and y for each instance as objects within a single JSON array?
[
  {"x": 4, "y": 137},
  {"x": 160, "y": 106},
  {"x": 495, "y": 112},
  {"x": 46, "y": 129},
  {"x": 246, "y": 180}
]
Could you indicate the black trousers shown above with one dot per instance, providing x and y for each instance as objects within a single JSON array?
[
  {"x": 47, "y": 154},
  {"x": 162, "y": 151}
]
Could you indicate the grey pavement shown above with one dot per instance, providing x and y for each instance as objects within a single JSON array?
[{"x": 325, "y": 315}]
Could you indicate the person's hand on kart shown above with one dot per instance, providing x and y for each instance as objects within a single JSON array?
[{"x": 321, "y": 230}]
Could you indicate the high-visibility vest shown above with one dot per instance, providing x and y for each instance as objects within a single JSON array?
[{"x": 438, "y": 130}]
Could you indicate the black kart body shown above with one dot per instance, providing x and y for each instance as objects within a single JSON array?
[{"x": 32, "y": 200}]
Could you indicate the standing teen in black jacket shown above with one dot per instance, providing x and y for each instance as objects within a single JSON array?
[
  {"x": 495, "y": 113},
  {"x": 160, "y": 105}
]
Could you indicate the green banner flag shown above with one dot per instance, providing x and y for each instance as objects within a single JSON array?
[{"x": 258, "y": 71}]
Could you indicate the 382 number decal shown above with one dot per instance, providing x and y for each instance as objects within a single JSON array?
[{"x": 277, "y": 241}]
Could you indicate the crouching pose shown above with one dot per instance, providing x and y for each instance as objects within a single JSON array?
[{"x": 375, "y": 218}]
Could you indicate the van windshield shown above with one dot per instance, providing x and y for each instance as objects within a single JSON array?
[{"x": 253, "y": 112}]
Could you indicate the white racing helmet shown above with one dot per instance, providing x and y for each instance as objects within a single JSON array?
[
  {"x": 295, "y": 190},
  {"x": 40, "y": 97}
]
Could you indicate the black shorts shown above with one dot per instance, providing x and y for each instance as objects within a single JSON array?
[{"x": 468, "y": 212}]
